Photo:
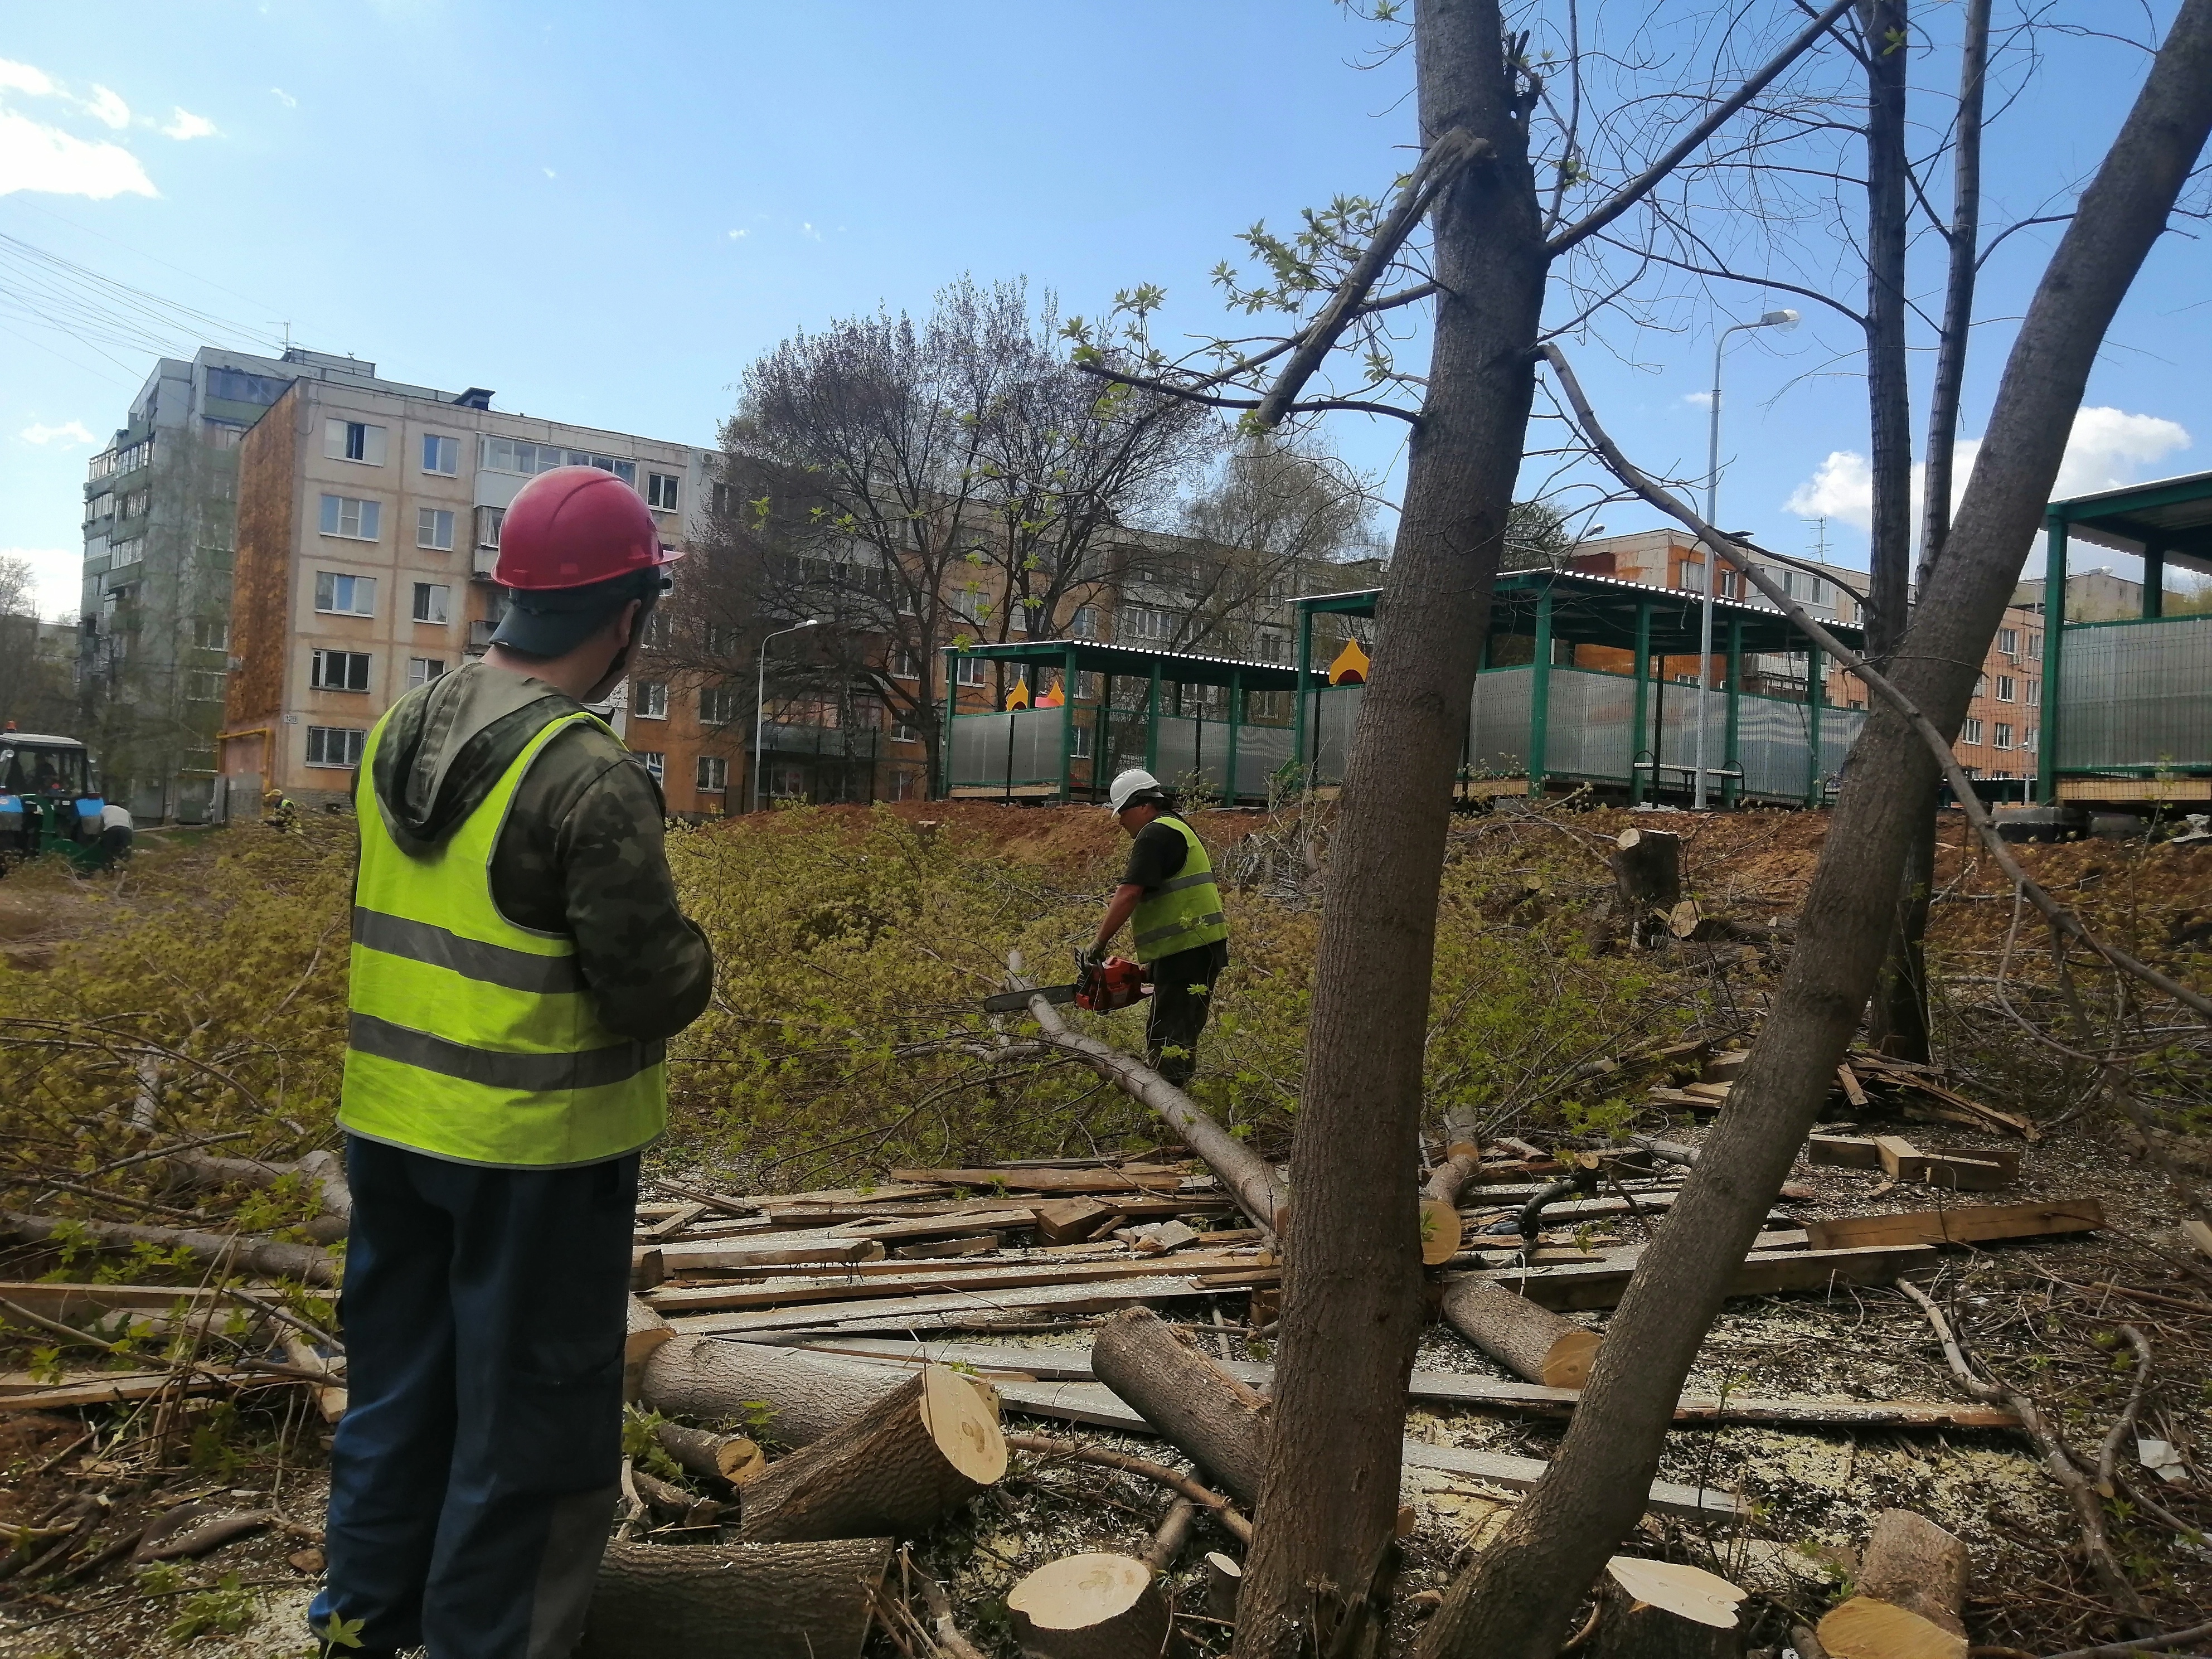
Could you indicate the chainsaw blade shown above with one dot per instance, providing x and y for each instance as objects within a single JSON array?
[{"x": 1013, "y": 1002}]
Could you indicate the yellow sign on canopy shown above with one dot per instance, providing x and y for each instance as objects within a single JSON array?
[
  {"x": 1350, "y": 665},
  {"x": 1018, "y": 697}
]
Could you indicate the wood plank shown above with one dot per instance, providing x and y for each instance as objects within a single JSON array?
[
  {"x": 1848, "y": 1081},
  {"x": 969, "y": 1221},
  {"x": 668, "y": 1226},
  {"x": 74, "y": 1304},
  {"x": 1053, "y": 1181},
  {"x": 967, "y": 1307},
  {"x": 1844, "y": 1152},
  {"x": 770, "y": 1253},
  {"x": 1973, "y": 1224},
  {"x": 122, "y": 1388},
  {"x": 862, "y": 1281},
  {"x": 1499, "y": 1197},
  {"x": 1599, "y": 1284},
  {"x": 1589, "y": 1209}
]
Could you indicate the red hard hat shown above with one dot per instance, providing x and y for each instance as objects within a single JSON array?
[{"x": 574, "y": 526}]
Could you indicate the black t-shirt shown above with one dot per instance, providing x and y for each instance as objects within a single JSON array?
[{"x": 1154, "y": 855}]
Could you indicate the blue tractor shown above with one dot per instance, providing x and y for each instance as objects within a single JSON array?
[{"x": 50, "y": 802}]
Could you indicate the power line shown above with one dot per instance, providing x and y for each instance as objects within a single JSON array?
[{"x": 50, "y": 292}]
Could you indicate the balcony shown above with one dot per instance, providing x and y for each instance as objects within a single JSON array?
[{"x": 482, "y": 562}]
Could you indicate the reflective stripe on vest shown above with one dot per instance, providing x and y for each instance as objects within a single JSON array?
[
  {"x": 471, "y": 1038},
  {"x": 1184, "y": 912}
]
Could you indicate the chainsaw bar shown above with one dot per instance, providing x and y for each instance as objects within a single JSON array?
[{"x": 1013, "y": 1002}]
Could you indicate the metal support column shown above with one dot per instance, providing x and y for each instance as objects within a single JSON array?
[
  {"x": 1235, "y": 721},
  {"x": 1152, "y": 722},
  {"x": 2054, "y": 627},
  {"x": 1540, "y": 697},
  {"x": 1640, "y": 722},
  {"x": 1815, "y": 710},
  {"x": 1101, "y": 737},
  {"x": 1067, "y": 726},
  {"x": 1732, "y": 755},
  {"x": 1298, "y": 696},
  {"x": 2154, "y": 598},
  {"x": 952, "y": 710}
]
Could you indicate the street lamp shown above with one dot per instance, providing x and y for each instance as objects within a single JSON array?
[
  {"x": 760, "y": 697},
  {"x": 1785, "y": 320}
]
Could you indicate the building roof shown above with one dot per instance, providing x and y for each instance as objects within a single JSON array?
[
  {"x": 2172, "y": 514},
  {"x": 1602, "y": 610},
  {"x": 1184, "y": 667}
]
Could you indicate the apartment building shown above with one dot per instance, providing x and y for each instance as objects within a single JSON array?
[
  {"x": 368, "y": 526},
  {"x": 1998, "y": 740},
  {"x": 160, "y": 513}
]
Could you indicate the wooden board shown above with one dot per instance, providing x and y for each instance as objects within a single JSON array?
[
  {"x": 903, "y": 1313},
  {"x": 971, "y": 1221},
  {"x": 777, "y": 1253},
  {"x": 73, "y": 1304},
  {"x": 1054, "y": 1181},
  {"x": 1599, "y": 1284},
  {"x": 123, "y": 1386},
  {"x": 860, "y": 1282},
  {"x": 1844, "y": 1152},
  {"x": 1973, "y": 1224}
]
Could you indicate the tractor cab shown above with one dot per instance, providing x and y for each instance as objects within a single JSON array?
[{"x": 50, "y": 797}]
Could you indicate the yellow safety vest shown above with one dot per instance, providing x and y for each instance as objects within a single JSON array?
[
  {"x": 471, "y": 1038},
  {"x": 1185, "y": 911}
]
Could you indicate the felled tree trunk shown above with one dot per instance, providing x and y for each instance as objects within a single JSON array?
[
  {"x": 1532, "y": 1342},
  {"x": 1911, "y": 1594},
  {"x": 1091, "y": 1607},
  {"x": 645, "y": 1332},
  {"x": 808, "y": 1396},
  {"x": 730, "y": 1457},
  {"x": 734, "y": 1601},
  {"x": 305, "y": 1262},
  {"x": 1463, "y": 1152},
  {"x": 322, "y": 1170},
  {"x": 899, "y": 1469},
  {"x": 1187, "y": 1395}
]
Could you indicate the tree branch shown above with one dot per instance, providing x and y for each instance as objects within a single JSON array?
[{"x": 1641, "y": 185}]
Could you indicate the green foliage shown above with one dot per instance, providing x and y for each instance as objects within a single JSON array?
[
  {"x": 161, "y": 1579},
  {"x": 227, "y": 1608},
  {"x": 641, "y": 1445},
  {"x": 214, "y": 1448}
]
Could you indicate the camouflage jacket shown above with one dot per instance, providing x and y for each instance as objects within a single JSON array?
[{"x": 582, "y": 851}]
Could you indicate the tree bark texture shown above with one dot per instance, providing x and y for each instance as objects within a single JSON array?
[
  {"x": 808, "y": 1396},
  {"x": 1533, "y": 1343},
  {"x": 308, "y": 1263},
  {"x": 731, "y": 1457},
  {"x": 1463, "y": 1153},
  {"x": 1965, "y": 236},
  {"x": 912, "y": 1460},
  {"x": 1091, "y": 1607},
  {"x": 1514, "y": 1602},
  {"x": 1629, "y": 1630},
  {"x": 1222, "y": 1423},
  {"x": 734, "y": 1601},
  {"x": 1352, "y": 1303}
]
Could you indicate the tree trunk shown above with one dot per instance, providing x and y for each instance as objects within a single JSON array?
[
  {"x": 1091, "y": 1607},
  {"x": 1463, "y": 1153},
  {"x": 912, "y": 1460},
  {"x": 808, "y": 1396},
  {"x": 1353, "y": 1302},
  {"x": 305, "y": 1262},
  {"x": 1647, "y": 871},
  {"x": 734, "y": 1601},
  {"x": 1628, "y": 1628},
  {"x": 645, "y": 1332},
  {"x": 712, "y": 1456},
  {"x": 1965, "y": 236},
  {"x": 1518, "y": 1595},
  {"x": 322, "y": 1170},
  {"x": 1911, "y": 1595},
  {"x": 1533, "y": 1343},
  {"x": 1184, "y": 1393}
]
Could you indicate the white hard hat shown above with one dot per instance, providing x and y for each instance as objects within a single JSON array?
[{"x": 1135, "y": 781}]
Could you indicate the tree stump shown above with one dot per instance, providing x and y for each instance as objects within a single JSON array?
[
  {"x": 808, "y": 1396},
  {"x": 1187, "y": 1395},
  {"x": 897, "y": 1470},
  {"x": 1224, "y": 1579},
  {"x": 1647, "y": 871},
  {"x": 1091, "y": 1607},
  {"x": 1911, "y": 1594},
  {"x": 1631, "y": 1627},
  {"x": 734, "y": 1601},
  {"x": 1533, "y": 1343},
  {"x": 1441, "y": 1231}
]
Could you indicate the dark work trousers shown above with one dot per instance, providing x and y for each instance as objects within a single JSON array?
[
  {"x": 476, "y": 1470},
  {"x": 1182, "y": 994}
]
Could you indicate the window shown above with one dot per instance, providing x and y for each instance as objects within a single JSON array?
[
  {"x": 238, "y": 388},
  {"x": 651, "y": 701},
  {"x": 661, "y": 491},
  {"x": 334, "y": 745},
  {"x": 1274, "y": 646},
  {"x": 137, "y": 503},
  {"x": 432, "y": 602},
  {"x": 1729, "y": 583},
  {"x": 904, "y": 782},
  {"x": 442, "y": 455},
  {"x": 717, "y": 497},
  {"x": 721, "y": 640},
  {"x": 2008, "y": 641},
  {"x": 2003, "y": 735},
  {"x": 421, "y": 671},
  {"x": 488, "y": 519},
  {"x": 1981, "y": 685},
  {"x": 130, "y": 552},
  {"x": 968, "y": 670},
  {"x": 2035, "y": 692},
  {"x": 211, "y": 633},
  {"x": 349, "y": 596},
  {"x": 1139, "y": 622},
  {"x": 903, "y": 733},
  {"x": 204, "y": 684},
  {"x": 1079, "y": 745},
  {"x": 653, "y": 761},
  {"x": 714, "y": 773},
  {"x": 342, "y": 515},
  {"x": 513, "y": 455},
  {"x": 903, "y": 667},
  {"x": 137, "y": 455},
  {"x": 433, "y": 528},
  {"x": 2034, "y": 643},
  {"x": 2007, "y": 687},
  {"x": 353, "y": 440},
  {"x": 1690, "y": 576},
  {"x": 339, "y": 671},
  {"x": 654, "y": 635},
  {"x": 1971, "y": 731},
  {"x": 2027, "y": 739},
  {"x": 718, "y": 704}
]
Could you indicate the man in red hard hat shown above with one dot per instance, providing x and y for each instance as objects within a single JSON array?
[{"x": 518, "y": 962}]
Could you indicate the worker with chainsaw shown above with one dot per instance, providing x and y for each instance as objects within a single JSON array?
[
  {"x": 1180, "y": 937},
  {"x": 518, "y": 962}
]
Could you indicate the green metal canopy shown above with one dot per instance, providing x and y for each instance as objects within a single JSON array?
[
  {"x": 1182, "y": 667},
  {"x": 2169, "y": 521}
]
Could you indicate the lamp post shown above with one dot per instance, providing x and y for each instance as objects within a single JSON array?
[
  {"x": 1785, "y": 320},
  {"x": 760, "y": 697}
]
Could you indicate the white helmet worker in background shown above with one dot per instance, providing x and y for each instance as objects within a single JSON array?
[{"x": 1179, "y": 935}]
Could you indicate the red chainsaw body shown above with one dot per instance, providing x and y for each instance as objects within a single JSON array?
[{"x": 1115, "y": 983}]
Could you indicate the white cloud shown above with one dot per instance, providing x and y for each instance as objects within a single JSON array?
[
  {"x": 807, "y": 230},
  {"x": 2107, "y": 448},
  {"x": 48, "y": 160},
  {"x": 735, "y": 234},
  {"x": 186, "y": 124},
  {"x": 1699, "y": 399},
  {"x": 39, "y": 433},
  {"x": 21, "y": 77},
  {"x": 549, "y": 172},
  {"x": 57, "y": 577},
  {"x": 108, "y": 106},
  {"x": 283, "y": 97}
]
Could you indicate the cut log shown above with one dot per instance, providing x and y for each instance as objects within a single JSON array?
[
  {"x": 1091, "y": 1607},
  {"x": 1529, "y": 1340},
  {"x": 306, "y": 1262},
  {"x": 976, "y": 1309},
  {"x": 1844, "y": 1152},
  {"x": 734, "y": 1601},
  {"x": 1977, "y": 1223},
  {"x": 1224, "y": 1578},
  {"x": 1599, "y": 1284},
  {"x": 1170, "y": 1536},
  {"x": 1441, "y": 1231},
  {"x": 731, "y": 1457},
  {"x": 1462, "y": 1157},
  {"x": 1666, "y": 1152},
  {"x": 903, "y": 1278},
  {"x": 1911, "y": 1592},
  {"x": 1188, "y": 1396},
  {"x": 1071, "y": 1221},
  {"x": 938, "y": 1249},
  {"x": 645, "y": 1268},
  {"x": 807, "y": 1396},
  {"x": 643, "y": 1332},
  {"x": 321, "y": 1171},
  {"x": 1659, "y": 1610},
  {"x": 901, "y": 1468}
]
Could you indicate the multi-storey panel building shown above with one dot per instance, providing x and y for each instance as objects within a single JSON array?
[{"x": 368, "y": 524}]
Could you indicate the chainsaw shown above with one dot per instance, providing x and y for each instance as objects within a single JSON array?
[{"x": 1114, "y": 983}]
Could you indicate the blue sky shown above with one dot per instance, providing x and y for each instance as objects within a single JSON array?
[{"x": 603, "y": 213}]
